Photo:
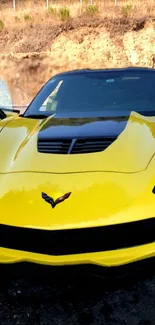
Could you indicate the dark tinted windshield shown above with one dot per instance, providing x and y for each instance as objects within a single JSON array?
[{"x": 97, "y": 92}]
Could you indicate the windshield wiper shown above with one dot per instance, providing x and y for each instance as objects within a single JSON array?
[
  {"x": 35, "y": 116},
  {"x": 12, "y": 110}
]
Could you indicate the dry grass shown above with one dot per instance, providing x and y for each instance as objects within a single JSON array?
[{"x": 35, "y": 12}]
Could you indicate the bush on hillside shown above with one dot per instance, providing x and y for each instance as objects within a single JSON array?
[
  {"x": 1, "y": 25},
  {"x": 17, "y": 19},
  {"x": 126, "y": 10},
  {"x": 52, "y": 11},
  {"x": 27, "y": 17},
  {"x": 92, "y": 10},
  {"x": 64, "y": 13}
]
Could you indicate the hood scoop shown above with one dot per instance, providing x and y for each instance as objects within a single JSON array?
[
  {"x": 75, "y": 146},
  {"x": 117, "y": 145},
  {"x": 79, "y": 136}
]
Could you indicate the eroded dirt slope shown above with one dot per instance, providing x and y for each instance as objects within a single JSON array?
[{"x": 28, "y": 62}]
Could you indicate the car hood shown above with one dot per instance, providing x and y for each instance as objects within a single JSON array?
[
  {"x": 131, "y": 152},
  {"x": 96, "y": 199}
]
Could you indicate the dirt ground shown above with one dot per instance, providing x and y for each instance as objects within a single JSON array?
[{"x": 43, "y": 295}]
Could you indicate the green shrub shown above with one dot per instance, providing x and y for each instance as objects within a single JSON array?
[
  {"x": 64, "y": 13},
  {"x": 1, "y": 25},
  {"x": 27, "y": 17},
  {"x": 126, "y": 10},
  {"x": 92, "y": 10},
  {"x": 52, "y": 11},
  {"x": 17, "y": 19}
]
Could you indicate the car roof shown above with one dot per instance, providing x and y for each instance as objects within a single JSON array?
[{"x": 82, "y": 71}]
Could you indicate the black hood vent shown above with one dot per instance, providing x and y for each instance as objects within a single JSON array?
[
  {"x": 58, "y": 146},
  {"x": 92, "y": 145},
  {"x": 75, "y": 146},
  {"x": 79, "y": 135}
]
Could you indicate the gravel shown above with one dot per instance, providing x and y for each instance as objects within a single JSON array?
[{"x": 31, "y": 294}]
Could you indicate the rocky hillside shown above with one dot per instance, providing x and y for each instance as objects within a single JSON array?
[{"x": 29, "y": 57}]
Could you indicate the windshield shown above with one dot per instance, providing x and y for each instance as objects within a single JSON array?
[{"x": 98, "y": 93}]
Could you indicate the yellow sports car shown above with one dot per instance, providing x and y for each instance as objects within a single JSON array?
[{"x": 77, "y": 171}]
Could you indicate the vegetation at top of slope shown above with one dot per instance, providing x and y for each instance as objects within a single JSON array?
[{"x": 35, "y": 11}]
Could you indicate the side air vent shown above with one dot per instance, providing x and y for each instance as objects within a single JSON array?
[{"x": 75, "y": 146}]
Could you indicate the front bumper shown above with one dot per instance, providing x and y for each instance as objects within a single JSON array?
[
  {"x": 106, "y": 245},
  {"x": 105, "y": 259}
]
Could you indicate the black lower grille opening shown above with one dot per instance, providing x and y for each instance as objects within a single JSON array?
[{"x": 78, "y": 241}]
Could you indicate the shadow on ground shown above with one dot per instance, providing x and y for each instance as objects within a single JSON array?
[{"x": 31, "y": 294}]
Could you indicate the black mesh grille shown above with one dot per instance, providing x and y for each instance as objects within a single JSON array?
[{"x": 75, "y": 146}]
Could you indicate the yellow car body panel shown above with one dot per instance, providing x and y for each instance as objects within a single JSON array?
[
  {"x": 121, "y": 156},
  {"x": 107, "y": 188},
  {"x": 105, "y": 259}
]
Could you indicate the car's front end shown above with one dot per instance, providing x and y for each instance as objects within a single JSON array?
[{"x": 78, "y": 188}]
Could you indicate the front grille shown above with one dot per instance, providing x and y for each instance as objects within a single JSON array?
[
  {"x": 75, "y": 146},
  {"x": 78, "y": 241}
]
